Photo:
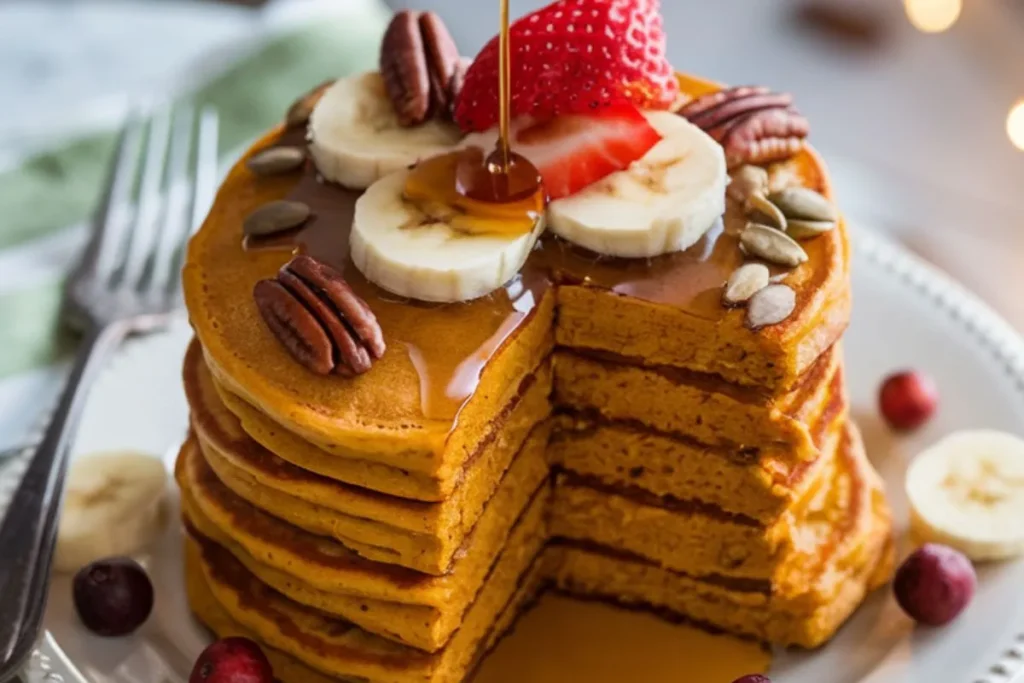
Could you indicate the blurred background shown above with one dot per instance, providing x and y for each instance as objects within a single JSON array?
[{"x": 917, "y": 104}]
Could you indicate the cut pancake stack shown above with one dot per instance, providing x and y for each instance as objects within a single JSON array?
[{"x": 609, "y": 445}]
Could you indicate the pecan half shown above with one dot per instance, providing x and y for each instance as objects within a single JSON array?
[
  {"x": 319, "y": 319},
  {"x": 753, "y": 124},
  {"x": 419, "y": 62}
]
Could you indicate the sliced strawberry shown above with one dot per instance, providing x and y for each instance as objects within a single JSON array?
[
  {"x": 571, "y": 57},
  {"x": 575, "y": 150}
]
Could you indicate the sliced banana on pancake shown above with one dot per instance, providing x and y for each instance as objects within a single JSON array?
[
  {"x": 664, "y": 202},
  {"x": 355, "y": 137},
  {"x": 115, "y": 504},
  {"x": 408, "y": 252},
  {"x": 967, "y": 491}
]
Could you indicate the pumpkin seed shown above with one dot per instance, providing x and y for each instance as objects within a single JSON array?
[
  {"x": 770, "y": 306},
  {"x": 771, "y": 245},
  {"x": 748, "y": 180},
  {"x": 744, "y": 282},
  {"x": 275, "y": 217},
  {"x": 275, "y": 160},
  {"x": 759, "y": 208},
  {"x": 804, "y": 203},
  {"x": 801, "y": 229}
]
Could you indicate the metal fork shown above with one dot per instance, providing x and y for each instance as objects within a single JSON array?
[{"x": 126, "y": 283}]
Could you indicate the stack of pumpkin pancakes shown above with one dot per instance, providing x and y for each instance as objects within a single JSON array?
[{"x": 601, "y": 427}]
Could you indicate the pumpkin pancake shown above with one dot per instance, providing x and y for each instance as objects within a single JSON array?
[
  {"x": 755, "y": 482},
  {"x": 450, "y": 367},
  {"x": 341, "y": 649},
  {"x": 697, "y": 408},
  {"x": 416, "y": 534},
  {"x": 697, "y": 539},
  {"x": 602, "y": 425},
  {"x": 846, "y": 551}
]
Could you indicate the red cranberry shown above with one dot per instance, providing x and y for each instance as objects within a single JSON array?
[
  {"x": 907, "y": 399},
  {"x": 934, "y": 584},
  {"x": 113, "y": 597},
  {"x": 232, "y": 660},
  {"x": 753, "y": 678}
]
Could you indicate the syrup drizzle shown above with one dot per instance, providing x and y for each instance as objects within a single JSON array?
[
  {"x": 504, "y": 88},
  {"x": 446, "y": 347},
  {"x": 497, "y": 194}
]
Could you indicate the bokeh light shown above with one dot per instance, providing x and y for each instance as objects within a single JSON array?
[
  {"x": 1015, "y": 124},
  {"x": 933, "y": 16}
]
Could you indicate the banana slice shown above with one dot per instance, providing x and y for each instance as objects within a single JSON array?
[
  {"x": 355, "y": 137},
  {"x": 664, "y": 202},
  {"x": 398, "y": 247},
  {"x": 115, "y": 504},
  {"x": 967, "y": 491}
]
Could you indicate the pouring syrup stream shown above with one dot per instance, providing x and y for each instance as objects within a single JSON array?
[{"x": 504, "y": 87}]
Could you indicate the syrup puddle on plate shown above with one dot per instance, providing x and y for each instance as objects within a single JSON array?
[{"x": 562, "y": 639}]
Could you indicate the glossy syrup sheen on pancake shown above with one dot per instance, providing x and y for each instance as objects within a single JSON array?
[{"x": 448, "y": 367}]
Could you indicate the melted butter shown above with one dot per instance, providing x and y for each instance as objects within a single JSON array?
[{"x": 567, "y": 640}]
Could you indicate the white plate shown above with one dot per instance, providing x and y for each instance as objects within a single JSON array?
[{"x": 906, "y": 315}]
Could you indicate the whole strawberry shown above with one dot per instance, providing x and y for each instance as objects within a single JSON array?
[
  {"x": 572, "y": 57},
  {"x": 232, "y": 660}
]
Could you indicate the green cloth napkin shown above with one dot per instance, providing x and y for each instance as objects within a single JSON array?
[{"x": 60, "y": 187}]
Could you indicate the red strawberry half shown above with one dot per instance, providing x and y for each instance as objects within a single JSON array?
[
  {"x": 575, "y": 150},
  {"x": 571, "y": 57}
]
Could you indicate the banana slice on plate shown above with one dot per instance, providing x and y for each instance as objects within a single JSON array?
[
  {"x": 967, "y": 491},
  {"x": 664, "y": 202},
  {"x": 115, "y": 504},
  {"x": 405, "y": 251},
  {"x": 355, "y": 137}
]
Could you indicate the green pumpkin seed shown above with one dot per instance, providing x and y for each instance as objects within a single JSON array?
[
  {"x": 804, "y": 203},
  {"x": 276, "y": 160},
  {"x": 770, "y": 306},
  {"x": 771, "y": 245},
  {"x": 275, "y": 217},
  {"x": 748, "y": 180},
  {"x": 744, "y": 282},
  {"x": 804, "y": 230},
  {"x": 760, "y": 209}
]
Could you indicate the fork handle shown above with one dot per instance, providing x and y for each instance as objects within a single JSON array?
[{"x": 29, "y": 529}]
